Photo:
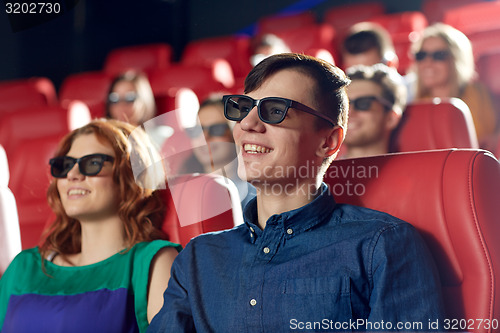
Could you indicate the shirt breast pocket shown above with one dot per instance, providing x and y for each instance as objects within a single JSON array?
[{"x": 317, "y": 300}]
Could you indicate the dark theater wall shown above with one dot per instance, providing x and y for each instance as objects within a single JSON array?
[
  {"x": 210, "y": 18},
  {"x": 79, "y": 39}
]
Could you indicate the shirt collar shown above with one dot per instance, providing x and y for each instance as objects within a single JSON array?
[{"x": 295, "y": 221}]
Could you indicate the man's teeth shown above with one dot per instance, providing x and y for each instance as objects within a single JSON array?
[
  {"x": 255, "y": 149},
  {"x": 77, "y": 192}
]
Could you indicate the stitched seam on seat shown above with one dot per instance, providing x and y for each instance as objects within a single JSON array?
[{"x": 476, "y": 223}]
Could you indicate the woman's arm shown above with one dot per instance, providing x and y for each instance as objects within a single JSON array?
[{"x": 158, "y": 279}]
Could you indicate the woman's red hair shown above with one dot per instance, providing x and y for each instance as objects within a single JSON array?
[{"x": 140, "y": 209}]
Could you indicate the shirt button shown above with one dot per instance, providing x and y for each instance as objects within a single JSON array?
[
  {"x": 289, "y": 231},
  {"x": 253, "y": 302},
  {"x": 251, "y": 235},
  {"x": 266, "y": 250},
  {"x": 251, "y": 229}
]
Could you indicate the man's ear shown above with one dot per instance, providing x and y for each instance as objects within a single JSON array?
[
  {"x": 331, "y": 142},
  {"x": 393, "y": 119},
  {"x": 392, "y": 60}
]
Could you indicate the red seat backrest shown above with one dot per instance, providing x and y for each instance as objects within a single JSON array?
[
  {"x": 35, "y": 122},
  {"x": 474, "y": 17},
  {"x": 310, "y": 38},
  {"x": 451, "y": 197},
  {"x": 200, "y": 79},
  {"x": 200, "y": 203},
  {"x": 434, "y": 10},
  {"x": 10, "y": 237},
  {"x": 479, "y": 22},
  {"x": 89, "y": 87},
  {"x": 344, "y": 16},
  {"x": 145, "y": 58},
  {"x": 404, "y": 28},
  {"x": 435, "y": 125},
  {"x": 30, "y": 178},
  {"x": 275, "y": 23},
  {"x": 234, "y": 49},
  {"x": 32, "y": 92},
  {"x": 488, "y": 67},
  {"x": 402, "y": 23},
  {"x": 178, "y": 147}
]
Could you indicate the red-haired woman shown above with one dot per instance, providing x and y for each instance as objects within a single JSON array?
[{"x": 103, "y": 266}]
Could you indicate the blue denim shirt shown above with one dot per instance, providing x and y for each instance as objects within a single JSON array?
[{"x": 322, "y": 267}]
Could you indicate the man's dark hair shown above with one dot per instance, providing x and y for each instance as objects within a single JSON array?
[
  {"x": 366, "y": 36},
  {"x": 329, "y": 91},
  {"x": 391, "y": 82}
]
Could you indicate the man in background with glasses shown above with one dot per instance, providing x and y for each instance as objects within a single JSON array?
[
  {"x": 214, "y": 150},
  {"x": 300, "y": 261},
  {"x": 377, "y": 98}
]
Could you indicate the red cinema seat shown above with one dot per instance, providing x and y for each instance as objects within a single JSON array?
[
  {"x": 435, "y": 125},
  {"x": 234, "y": 49},
  {"x": 32, "y": 92},
  {"x": 10, "y": 237},
  {"x": 89, "y": 87},
  {"x": 344, "y": 16},
  {"x": 479, "y": 22},
  {"x": 402, "y": 23},
  {"x": 275, "y": 23},
  {"x": 178, "y": 147},
  {"x": 451, "y": 197},
  {"x": 434, "y": 10},
  {"x": 200, "y": 203},
  {"x": 497, "y": 150},
  {"x": 30, "y": 178},
  {"x": 35, "y": 122},
  {"x": 474, "y": 17},
  {"x": 313, "y": 40},
  {"x": 145, "y": 58},
  {"x": 404, "y": 28},
  {"x": 200, "y": 79},
  {"x": 488, "y": 67}
]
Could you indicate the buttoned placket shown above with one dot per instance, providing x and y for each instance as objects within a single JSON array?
[{"x": 265, "y": 245}]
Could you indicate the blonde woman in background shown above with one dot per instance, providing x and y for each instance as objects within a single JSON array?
[{"x": 444, "y": 67}]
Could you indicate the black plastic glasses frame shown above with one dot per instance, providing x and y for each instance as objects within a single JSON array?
[
  {"x": 89, "y": 165},
  {"x": 364, "y": 103},
  {"x": 288, "y": 103},
  {"x": 440, "y": 55}
]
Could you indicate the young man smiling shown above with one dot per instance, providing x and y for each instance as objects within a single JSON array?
[
  {"x": 299, "y": 257},
  {"x": 377, "y": 98}
]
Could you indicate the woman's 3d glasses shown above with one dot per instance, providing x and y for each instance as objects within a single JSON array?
[
  {"x": 271, "y": 110},
  {"x": 128, "y": 98},
  {"x": 215, "y": 130},
  {"x": 89, "y": 165},
  {"x": 441, "y": 55},
  {"x": 364, "y": 103}
]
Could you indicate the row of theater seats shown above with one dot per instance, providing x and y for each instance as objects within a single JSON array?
[
  {"x": 10, "y": 236},
  {"x": 29, "y": 212},
  {"x": 221, "y": 63},
  {"x": 41, "y": 117},
  {"x": 31, "y": 136},
  {"x": 450, "y": 196}
]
